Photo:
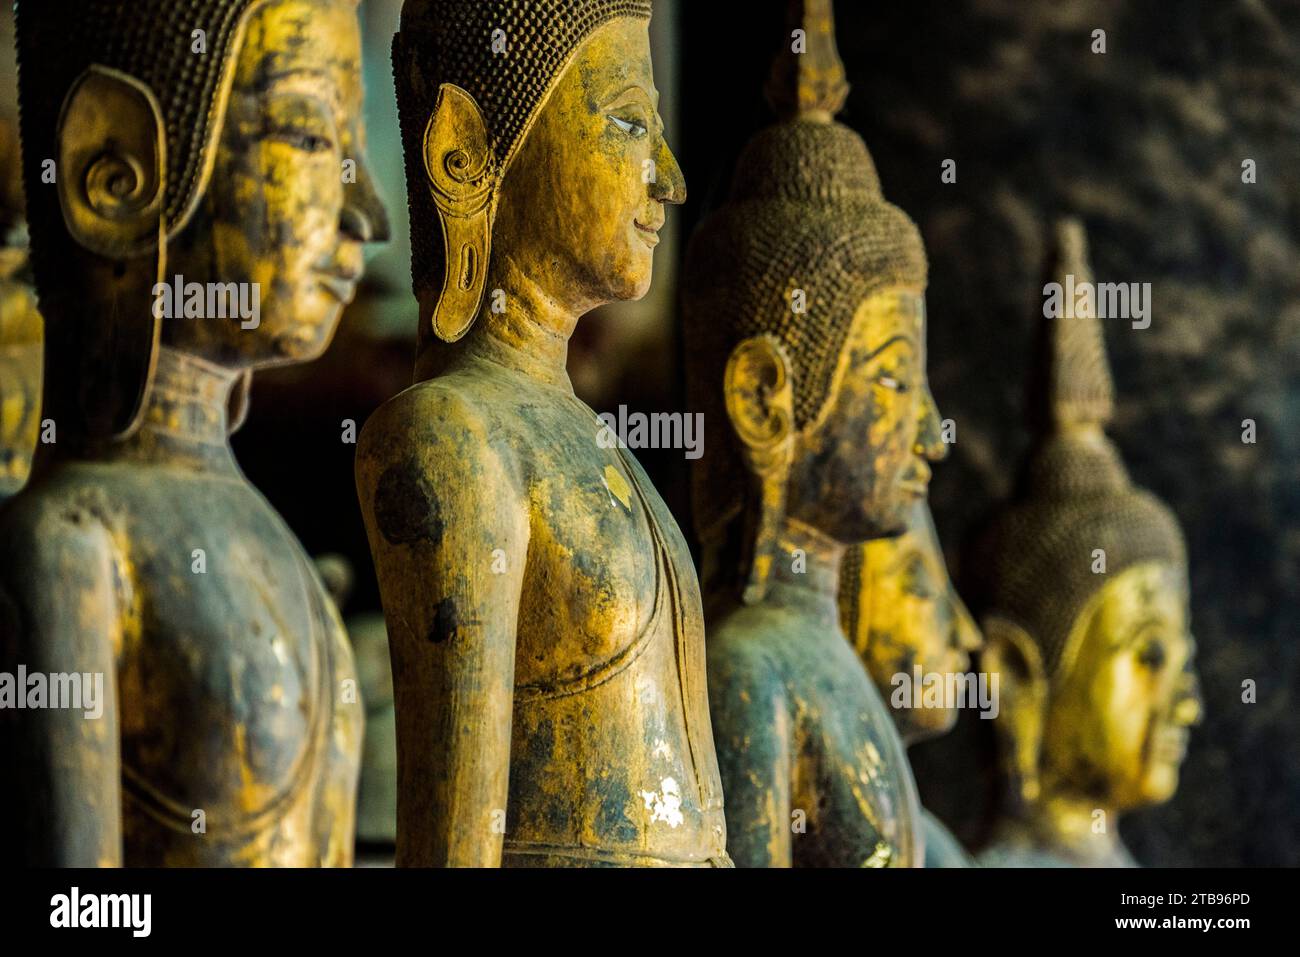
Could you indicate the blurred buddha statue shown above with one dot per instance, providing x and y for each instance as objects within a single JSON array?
[
  {"x": 903, "y": 615},
  {"x": 805, "y": 330},
  {"x": 20, "y": 323},
  {"x": 377, "y": 784},
  {"x": 20, "y": 371},
  {"x": 1082, "y": 589},
  {"x": 214, "y": 144},
  {"x": 543, "y": 612}
]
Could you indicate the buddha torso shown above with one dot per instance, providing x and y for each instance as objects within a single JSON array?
[
  {"x": 239, "y": 647},
  {"x": 1017, "y": 845},
  {"x": 942, "y": 849},
  {"x": 801, "y": 728},
  {"x": 20, "y": 375},
  {"x": 611, "y": 754}
]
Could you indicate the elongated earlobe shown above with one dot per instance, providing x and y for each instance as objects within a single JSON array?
[
  {"x": 111, "y": 182},
  {"x": 1010, "y": 653},
  {"x": 111, "y": 161},
  {"x": 241, "y": 397},
  {"x": 462, "y": 178},
  {"x": 760, "y": 404}
]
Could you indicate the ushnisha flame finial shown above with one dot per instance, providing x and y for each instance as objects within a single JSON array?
[
  {"x": 808, "y": 80},
  {"x": 1079, "y": 390}
]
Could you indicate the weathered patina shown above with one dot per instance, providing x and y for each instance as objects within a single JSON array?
[
  {"x": 1081, "y": 585},
  {"x": 217, "y": 141},
  {"x": 805, "y": 325},
  {"x": 906, "y": 621},
  {"x": 543, "y": 613}
]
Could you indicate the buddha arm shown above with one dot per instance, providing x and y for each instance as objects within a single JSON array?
[
  {"x": 449, "y": 535},
  {"x": 59, "y": 615},
  {"x": 752, "y": 729}
]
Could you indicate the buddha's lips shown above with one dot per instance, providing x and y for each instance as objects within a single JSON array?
[
  {"x": 1168, "y": 746},
  {"x": 344, "y": 290},
  {"x": 917, "y": 481},
  {"x": 340, "y": 283},
  {"x": 649, "y": 236}
]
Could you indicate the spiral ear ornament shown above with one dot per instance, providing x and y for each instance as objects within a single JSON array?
[
  {"x": 112, "y": 153},
  {"x": 462, "y": 179},
  {"x": 760, "y": 405}
]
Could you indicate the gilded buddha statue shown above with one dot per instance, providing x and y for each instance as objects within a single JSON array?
[
  {"x": 20, "y": 326},
  {"x": 218, "y": 141},
  {"x": 1082, "y": 588},
  {"x": 902, "y": 615},
  {"x": 543, "y": 612},
  {"x": 805, "y": 330}
]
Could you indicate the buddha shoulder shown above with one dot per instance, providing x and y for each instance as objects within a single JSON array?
[
  {"x": 432, "y": 446},
  {"x": 50, "y": 533}
]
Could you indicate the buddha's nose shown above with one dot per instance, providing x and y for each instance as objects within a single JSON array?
[
  {"x": 1188, "y": 708},
  {"x": 364, "y": 217},
  {"x": 929, "y": 436},
  {"x": 667, "y": 184},
  {"x": 965, "y": 633}
]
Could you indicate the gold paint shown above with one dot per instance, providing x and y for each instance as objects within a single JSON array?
[
  {"x": 221, "y": 683},
  {"x": 901, "y": 611},
  {"x": 618, "y": 486},
  {"x": 1098, "y": 686},
  {"x": 21, "y": 332},
  {"x": 550, "y": 711},
  {"x": 805, "y": 322}
]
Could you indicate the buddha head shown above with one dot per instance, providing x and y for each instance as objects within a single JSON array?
[
  {"x": 901, "y": 612},
  {"x": 219, "y": 142},
  {"x": 536, "y": 161},
  {"x": 1082, "y": 582},
  {"x": 805, "y": 324}
]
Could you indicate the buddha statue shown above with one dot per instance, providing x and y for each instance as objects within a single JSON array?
[
  {"x": 209, "y": 143},
  {"x": 1081, "y": 584},
  {"x": 901, "y": 613},
  {"x": 20, "y": 325},
  {"x": 376, "y": 817},
  {"x": 543, "y": 613},
  {"x": 805, "y": 331}
]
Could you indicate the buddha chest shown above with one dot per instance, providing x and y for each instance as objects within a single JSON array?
[
  {"x": 612, "y": 756},
  {"x": 240, "y": 721}
]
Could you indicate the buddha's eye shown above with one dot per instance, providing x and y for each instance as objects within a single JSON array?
[
  {"x": 305, "y": 140},
  {"x": 893, "y": 383},
  {"x": 630, "y": 127},
  {"x": 301, "y": 122},
  {"x": 1152, "y": 654}
]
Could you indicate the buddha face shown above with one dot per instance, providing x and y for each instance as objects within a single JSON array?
[
  {"x": 583, "y": 202},
  {"x": 291, "y": 200},
  {"x": 1118, "y": 719},
  {"x": 860, "y": 470},
  {"x": 912, "y": 618}
]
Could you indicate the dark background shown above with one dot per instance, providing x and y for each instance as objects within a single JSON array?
[{"x": 1145, "y": 143}]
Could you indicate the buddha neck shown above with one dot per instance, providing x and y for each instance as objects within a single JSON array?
[
  {"x": 1068, "y": 824},
  {"x": 185, "y": 419},
  {"x": 522, "y": 327},
  {"x": 806, "y": 569}
]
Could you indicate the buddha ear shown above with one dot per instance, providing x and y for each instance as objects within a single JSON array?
[
  {"x": 459, "y": 168},
  {"x": 760, "y": 405},
  {"x": 1011, "y": 655},
  {"x": 760, "y": 402},
  {"x": 112, "y": 157},
  {"x": 112, "y": 154},
  {"x": 240, "y": 399}
]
